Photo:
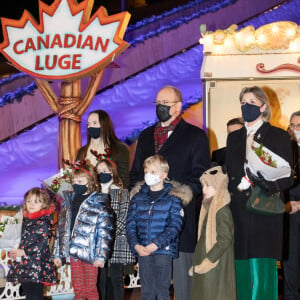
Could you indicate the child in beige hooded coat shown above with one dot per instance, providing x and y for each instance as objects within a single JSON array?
[{"x": 214, "y": 270}]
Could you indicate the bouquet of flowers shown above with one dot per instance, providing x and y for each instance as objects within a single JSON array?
[
  {"x": 62, "y": 181},
  {"x": 270, "y": 165},
  {"x": 10, "y": 227}
]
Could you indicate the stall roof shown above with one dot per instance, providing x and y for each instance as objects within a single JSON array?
[{"x": 271, "y": 51}]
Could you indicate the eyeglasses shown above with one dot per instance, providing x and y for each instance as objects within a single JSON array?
[
  {"x": 165, "y": 102},
  {"x": 295, "y": 126}
]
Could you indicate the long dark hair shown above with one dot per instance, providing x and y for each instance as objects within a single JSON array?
[
  {"x": 108, "y": 133},
  {"x": 113, "y": 169}
]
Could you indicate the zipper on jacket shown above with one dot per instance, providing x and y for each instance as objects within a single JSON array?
[
  {"x": 150, "y": 219},
  {"x": 80, "y": 207}
]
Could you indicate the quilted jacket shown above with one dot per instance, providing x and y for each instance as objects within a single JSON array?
[
  {"x": 92, "y": 236},
  {"x": 159, "y": 221}
]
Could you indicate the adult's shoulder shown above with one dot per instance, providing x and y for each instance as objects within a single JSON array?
[
  {"x": 148, "y": 130},
  {"x": 277, "y": 131},
  {"x": 122, "y": 147},
  {"x": 192, "y": 129},
  {"x": 236, "y": 135}
]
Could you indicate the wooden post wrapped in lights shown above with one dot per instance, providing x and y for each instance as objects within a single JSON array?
[{"x": 67, "y": 44}]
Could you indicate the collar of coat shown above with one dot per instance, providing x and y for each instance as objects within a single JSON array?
[
  {"x": 181, "y": 191},
  {"x": 260, "y": 133},
  {"x": 40, "y": 213}
]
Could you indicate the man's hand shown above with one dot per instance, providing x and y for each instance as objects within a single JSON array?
[
  {"x": 151, "y": 248},
  {"x": 141, "y": 250},
  {"x": 99, "y": 263},
  {"x": 294, "y": 206}
]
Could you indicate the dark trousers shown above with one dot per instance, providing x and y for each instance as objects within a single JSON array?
[
  {"x": 33, "y": 290},
  {"x": 155, "y": 274},
  {"x": 111, "y": 283},
  {"x": 291, "y": 266},
  {"x": 182, "y": 282}
]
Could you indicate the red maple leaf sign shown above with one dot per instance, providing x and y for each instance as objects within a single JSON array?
[{"x": 67, "y": 43}]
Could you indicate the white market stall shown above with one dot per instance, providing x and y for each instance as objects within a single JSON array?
[{"x": 268, "y": 57}]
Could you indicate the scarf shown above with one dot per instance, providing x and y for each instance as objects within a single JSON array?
[{"x": 161, "y": 133}]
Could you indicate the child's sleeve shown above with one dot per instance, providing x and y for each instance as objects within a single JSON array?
[
  {"x": 131, "y": 226},
  {"x": 105, "y": 234},
  {"x": 123, "y": 209},
  {"x": 40, "y": 239},
  {"x": 224, "y": 227},
  {"x": 174, "y": 226}
]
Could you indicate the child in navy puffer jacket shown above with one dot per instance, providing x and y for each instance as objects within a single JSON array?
[{"x": 154, "y": 222}]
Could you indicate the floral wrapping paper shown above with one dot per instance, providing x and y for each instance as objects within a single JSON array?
[
  {"x": 62, "y": 181},
  {"x": 271, "y": 166},
  {"x": 10, "y": 231}
]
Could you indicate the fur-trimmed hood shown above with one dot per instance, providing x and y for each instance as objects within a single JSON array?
[
  {"x": 181, "y": 191},
  {"x": 216, "y": 178}
]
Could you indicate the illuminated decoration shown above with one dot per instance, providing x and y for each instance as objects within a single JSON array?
[
  {"x": 66, "y": 43},
  {"x": 274, "y": 36},
  {"x": 261, "y": 49}
]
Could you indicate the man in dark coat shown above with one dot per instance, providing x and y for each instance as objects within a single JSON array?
[
  {"x": 291, "y": 266},
  {"x": 219, "y": 155},
  {"x": 187, "y": 151}
]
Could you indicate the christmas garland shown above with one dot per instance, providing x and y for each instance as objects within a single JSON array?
[
  {"x": 176, "y": 23},
  {"x": 154, "y": 19}
]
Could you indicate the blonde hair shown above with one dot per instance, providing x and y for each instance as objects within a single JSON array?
[
  {"x": 88, "y": 172},
  {"x": 41, "y": 195},
  {"x": 261, "y": 95},
  {"x": 158, "y": 159},
  {"x": 111, "y": 167}
]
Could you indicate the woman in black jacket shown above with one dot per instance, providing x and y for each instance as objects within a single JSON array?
[{"x": 258, "y": 238}]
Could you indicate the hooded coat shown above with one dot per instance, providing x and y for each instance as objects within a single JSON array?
[
  {"x": 159, "y": 221},
  {"x": 214, "y": 268}
]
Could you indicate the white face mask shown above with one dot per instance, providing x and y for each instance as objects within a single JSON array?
[{"x": 151, "y": 179}]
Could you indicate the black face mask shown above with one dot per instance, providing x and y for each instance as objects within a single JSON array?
[
  {"x": 94, "y": 132},
  {"x": 104, "y": 177},
  {"x": 163, "y": 112},
  {"x": 79, "y": 189},
  {"x": 250, "y": 112}
]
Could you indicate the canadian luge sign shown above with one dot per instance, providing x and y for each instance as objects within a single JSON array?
[{"x": 66, "y": 43}]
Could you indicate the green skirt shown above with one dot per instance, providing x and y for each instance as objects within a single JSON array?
[{"x": 256, "y": 279}]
